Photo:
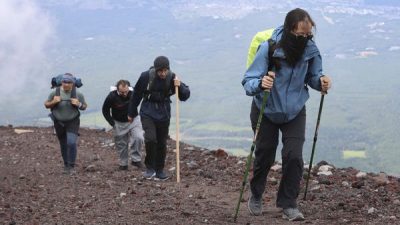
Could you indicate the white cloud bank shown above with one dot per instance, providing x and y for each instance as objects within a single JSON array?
[{"x": 25, "y": 32}]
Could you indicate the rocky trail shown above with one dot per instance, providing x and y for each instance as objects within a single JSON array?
[{"x": 33, "y": 189}]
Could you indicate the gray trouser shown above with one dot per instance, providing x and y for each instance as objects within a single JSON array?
[{"x": 129, "y": 136}]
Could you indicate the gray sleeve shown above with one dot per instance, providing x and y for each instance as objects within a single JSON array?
[
  {"x": 51, "y": 96},
  {"x": 81, "y": 98}
]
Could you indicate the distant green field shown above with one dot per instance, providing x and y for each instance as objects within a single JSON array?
[
  {"x": 217, "y": 126},
  {"x": 349, "y": 154},
  {"x": 94, "y": 119}
]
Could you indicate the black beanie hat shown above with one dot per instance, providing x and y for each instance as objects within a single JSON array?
[{"x": 161, "y": 62}]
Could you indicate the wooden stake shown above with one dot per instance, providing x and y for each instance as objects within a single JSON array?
[{"x": 178, "y": 177}]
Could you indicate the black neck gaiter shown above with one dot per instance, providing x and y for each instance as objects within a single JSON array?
[{"x": 293, "y": 46}]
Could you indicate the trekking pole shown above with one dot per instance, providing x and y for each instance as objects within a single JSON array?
[
  {"x": 249, "y": 157},
  {"x": 178, "y": 177},
  {"x": 321, "y": 103}
]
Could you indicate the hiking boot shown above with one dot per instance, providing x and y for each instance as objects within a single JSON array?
[
  {"x": 72, "y": 171},
  {"x": 254, "y": 205},
  {"x": 138, "y": 164},
  {"x": 123, "y": 168},
  {"x": 161, "y": 175},
  {"x": 149, "y": 174},
  {"x": 292, "y": 214},
  {"x": 66, "y": 170}
]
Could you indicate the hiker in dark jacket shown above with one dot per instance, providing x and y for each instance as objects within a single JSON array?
[
  {"x": 155, "y": 86},
  {"x": 297, "y": 65},
  {"x": 127, "y": 135},
  {"x": 65, "y": 103}
]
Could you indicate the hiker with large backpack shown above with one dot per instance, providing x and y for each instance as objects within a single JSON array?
[
  {"x": 128, "y": 136},
  {"x": 296, "y": 64},
  {"x": 155, "y": 86},
  {"x": 65, "y": 102}
]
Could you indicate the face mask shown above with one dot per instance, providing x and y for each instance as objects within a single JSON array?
[
  {"x": 300, "y": 41},
  {"x": 294, "y": 46}
]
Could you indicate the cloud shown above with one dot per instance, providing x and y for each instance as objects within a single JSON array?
[
  {"x": 95, "y": 4},
  {"x": 353, "y": 8},
  {"x": 377, "y": 31},
  {"x": 366, "y": 54},
  {"x": 85, "y": 4},
  {"x": 328, "y": 19},
  {"x": 340, "y": 56},
  {"x": 25, "y": 32},
  {"x": 219, "y": 9},
  {"x": 394, "y": 48},
  {"x": 375, "y": 25}
]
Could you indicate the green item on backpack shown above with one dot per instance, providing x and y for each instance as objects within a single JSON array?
[{"x": 259, "y": 38}]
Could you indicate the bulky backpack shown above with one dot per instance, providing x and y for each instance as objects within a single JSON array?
[
  {"x": 57, "y": 80},
  {"x": 56, "y": 83},
  {"x": 258, "y": 39}
]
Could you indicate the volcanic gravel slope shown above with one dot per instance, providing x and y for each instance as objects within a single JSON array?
[{"x": 33, "y": 189}]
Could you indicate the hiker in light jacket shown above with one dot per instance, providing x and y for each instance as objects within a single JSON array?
[
  {"x": 155, "y": 86},
  {"x": 65, "y": 103},
  {"x": 297, "y": 65},
  {"x": 128, "y": 135}
]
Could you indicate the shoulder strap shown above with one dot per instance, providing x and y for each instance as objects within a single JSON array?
[
  {"x": 73, "y": 92},
  {"x": 168, "y": 80},
  {"x": 272, "y": 62},
  {"x": 152, "y": 75},
  {"x": 57, "y": 91}
]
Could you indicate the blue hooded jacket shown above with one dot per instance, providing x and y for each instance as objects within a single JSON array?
[{"x": 289, "y": 92}]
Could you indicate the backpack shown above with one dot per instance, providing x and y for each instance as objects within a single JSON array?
[
  {"x": 151, "y": 95},
  {"x": 259, "y": 38},
  {"x": 56, "y": 81}
]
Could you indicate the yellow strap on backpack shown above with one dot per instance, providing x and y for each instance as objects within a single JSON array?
[{"x": 259, "y": 38}]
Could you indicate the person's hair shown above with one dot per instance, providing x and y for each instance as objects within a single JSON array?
[
  {"x": 123, "y": 83},
  {"x": 294, "y": 17}
]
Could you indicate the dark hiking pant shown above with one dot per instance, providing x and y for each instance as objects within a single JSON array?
[
  {"x": 292, "y": 159},
  {"x": 67, "y": 134},
  {"x": 155, "y": 138}
]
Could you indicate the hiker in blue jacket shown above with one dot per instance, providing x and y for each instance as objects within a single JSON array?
[
  {"x": 296, "y": 64},
  {"x": 155, "y": 86}
]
